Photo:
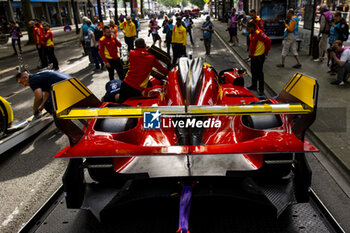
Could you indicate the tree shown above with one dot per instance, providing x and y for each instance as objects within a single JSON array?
[
  {"x": 28, "y": 15},
  {"x": 199, "y": 3},
  {"x": 170, "y": 3},
  {"x": 184, "y": 3}
]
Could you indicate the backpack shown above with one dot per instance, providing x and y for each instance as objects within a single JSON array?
[
  {"x": 98, "y": 33},
  {"x": 328, "y": 17}
]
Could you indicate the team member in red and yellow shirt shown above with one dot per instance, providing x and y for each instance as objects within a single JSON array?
[
  {"x": 37, "y": 36},
  {"x": 260, "y": 45},
  {"x": 108, "y": 49},
  {"x": 141, "y": 63},
  {"x": 256, "y": 19},
  {"x": 129, "y": 29},
  {"x": 49, "y": 46}
]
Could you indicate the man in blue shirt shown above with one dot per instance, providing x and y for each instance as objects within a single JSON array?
[{"x": 41, "y": 83}]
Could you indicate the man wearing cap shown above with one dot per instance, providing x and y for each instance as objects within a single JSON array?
[
  {"x": 112, "y": 91},
  {"x": 129, "y": 29},
  {"x": 178, "y": 40},
  {"x": 141, "y": 63}
]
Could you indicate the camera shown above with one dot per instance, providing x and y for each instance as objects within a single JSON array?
[
  {"x": 149, "y": 32},
  {"x": 331, "y": 49}
]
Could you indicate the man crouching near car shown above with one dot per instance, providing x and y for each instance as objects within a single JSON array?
[
  {"x": 140, "y": 67},
  {"x": 341, "y": 56},
  {"x": 41, "y": 83}
]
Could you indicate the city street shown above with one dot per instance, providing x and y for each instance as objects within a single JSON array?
[{"x": 28, "y": 173}]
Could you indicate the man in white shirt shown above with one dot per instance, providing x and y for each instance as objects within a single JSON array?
[{"x": 341, "y": 56}]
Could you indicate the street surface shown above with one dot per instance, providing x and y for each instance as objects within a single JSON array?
[{"x": 29, "y": 175}]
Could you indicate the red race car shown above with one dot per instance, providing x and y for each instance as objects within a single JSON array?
[{"x": 199, "y": 134}]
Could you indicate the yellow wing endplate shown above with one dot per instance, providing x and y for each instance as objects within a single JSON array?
[
  {"x": 303, "y": 88},
  {"x": 68, "y": 93}
]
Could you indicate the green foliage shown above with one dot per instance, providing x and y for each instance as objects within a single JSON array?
[
  {"x": 199, "y": 3},
  {"x": 170, "y": 3},
  {"x": 184, "y": 3}
]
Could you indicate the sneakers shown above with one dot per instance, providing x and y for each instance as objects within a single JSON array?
[
  {"x": 319, "y": 59},
  {"x": 297, "y": 66},
  {"x": 337, "y": 82},
  {"x": 280, "y": 65}
]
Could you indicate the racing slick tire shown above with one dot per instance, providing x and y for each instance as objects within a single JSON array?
[
  {"x": 302, "y": 178},
  {"x": 73, "y": 184}
]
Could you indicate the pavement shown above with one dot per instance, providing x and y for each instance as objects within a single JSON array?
[{"x": 331, "y": 129}]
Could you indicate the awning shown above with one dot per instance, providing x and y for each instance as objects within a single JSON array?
[{"x": 43, "y": 0}]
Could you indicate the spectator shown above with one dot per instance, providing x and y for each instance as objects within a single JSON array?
[
  {"x": 108, "y": 48},
  {"x": 256, "y": 19},
  {"x": 41, "y": 84},
  {"x": 165, "y": 25},
  {"x": 129, "y": 29},
  {"x": 94, "y": 48},
  {"x": 85, "y": 39},
  {"x": 153, "y": 25},
  {"x": 49, "y": 46},
  {"x": 97, "y": 23},
  {"x": 245, "y": 19},
  {"x": 341, "y": 56},
  {"x": 208, "y": 29},
  {"x": 290, "y": 36},
  {"x": 140, "y": 66},
  {"x": 169, "y": 33},
  {"x": 113, "y": 27},
  {"x": 37, "y": 36},
  {"x": 232, "y": 27},
  {"x": 325, "y": 20},
  {"x": 112, "y": 91},
  {"x": 188, "y": 25},
  {"x": 260, "y": 45},
  {"x": 137, "y": 24},
  {"x": 178, "y": 40},
  {"x": 339, "y": 30},
  {"x": 16, "y": 35}
]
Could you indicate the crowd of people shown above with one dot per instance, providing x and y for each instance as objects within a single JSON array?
[{"x": 333, "y": 32}]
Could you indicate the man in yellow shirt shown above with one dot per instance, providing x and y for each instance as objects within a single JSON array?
[
  {"x": 178, "y": 40},
  {"x": 129, "y": 29}
]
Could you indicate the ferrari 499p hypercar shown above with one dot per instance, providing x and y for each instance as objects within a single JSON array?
[{"x": 201, "y": 137}]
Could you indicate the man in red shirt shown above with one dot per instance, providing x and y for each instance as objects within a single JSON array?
[
  {"x": 38, "y": 36},
  {"x": 256, "y": 19},
  {"x": 49, "y": 46},
  {"x": 141, "y": 63},
  {"x": 108, "y": 49},
  {"x": 260, "y": 45}
]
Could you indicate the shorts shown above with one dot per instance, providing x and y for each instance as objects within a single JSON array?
[
  {"x": 289, "y": 44},
  {"x": 155, "y": 37},
  {"x": 232, "y": 31}
]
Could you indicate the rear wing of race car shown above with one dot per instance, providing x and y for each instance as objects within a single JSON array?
[{"x": 72, "y": 100}]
